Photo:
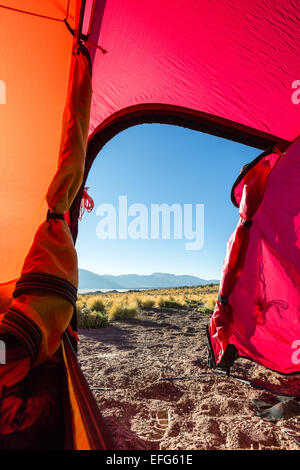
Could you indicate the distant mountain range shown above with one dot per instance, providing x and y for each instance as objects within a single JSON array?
[{"x": 90, "y": 280}]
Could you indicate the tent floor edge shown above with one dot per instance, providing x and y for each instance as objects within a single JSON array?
[
  {"x": 229, "y": 357},
  {"x": 95, "y": 427}
]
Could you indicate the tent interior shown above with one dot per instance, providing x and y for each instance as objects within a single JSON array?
[{"x": 73, "y": 74}]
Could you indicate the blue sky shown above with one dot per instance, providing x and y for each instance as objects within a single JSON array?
[{"x": 154, "y": 164}]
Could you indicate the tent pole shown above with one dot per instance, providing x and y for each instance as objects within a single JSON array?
[{"x": 80, "y": 20}]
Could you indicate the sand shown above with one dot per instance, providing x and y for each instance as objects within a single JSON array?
[{"x": 130, "y": 361}]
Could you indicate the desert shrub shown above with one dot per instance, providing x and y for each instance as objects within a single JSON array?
[
  {"x": 146, "y": 302},
  {"x": 95, "y": 303},
  {"x": 119, "y": 310},
  {"x": 98, "y": 319},
  {"x": 91, "y": 319},
  {"x": 168, "y": 302},
  {"x": 81, "y": 308},
  {"x": 204, "y": 310},
  {"x": 211, "y": 302},
  {"x": 81, "y": 303},
  {"x": 192, "y": 302},
  {"x": 160, "y": 301},
  {"x": 132, "y": 299}
]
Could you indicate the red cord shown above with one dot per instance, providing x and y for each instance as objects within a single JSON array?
[
  {"x": 87, "y": 203},
  {"x": 104, "y": 51},
  {"x": 73, "y": 333}
]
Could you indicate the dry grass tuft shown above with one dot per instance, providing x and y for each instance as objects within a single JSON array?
[
  {"x": 211, "y": 302},
  {"x": 146, "y": 302},
  {"x": 96, "y": 303},
  {"x": 90, "y": 319},
  {"x": 119, "y": 310}
]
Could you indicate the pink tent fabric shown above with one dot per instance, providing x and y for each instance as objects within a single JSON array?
[
  {"x": 266, "y": 298},
  {"x": 232, "y": 60}
]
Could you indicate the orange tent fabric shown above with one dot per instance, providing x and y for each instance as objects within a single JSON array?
[
  {"x": 35, "y": 72},
  {"x": 41, "y": 381}
]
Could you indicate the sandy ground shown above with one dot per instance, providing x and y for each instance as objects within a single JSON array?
[{"x": 128, "y": 361}]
